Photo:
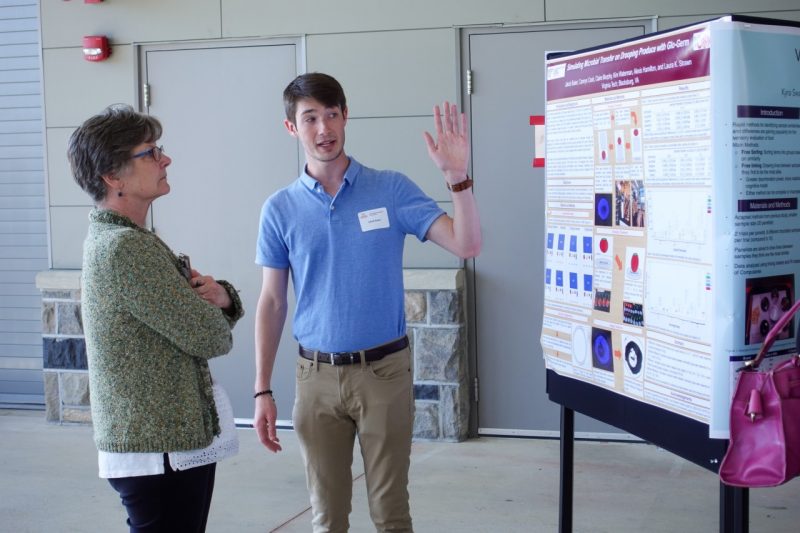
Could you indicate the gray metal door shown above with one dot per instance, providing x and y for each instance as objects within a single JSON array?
[
  {"x": 23, "y": 207},
  {"x": 507, "y": 89},
  {"x": 222, "y": 112}
]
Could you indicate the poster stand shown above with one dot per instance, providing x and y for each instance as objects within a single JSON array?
[
  {"x": 682, "y": 436},
  {"x": 649, "y": 149}
]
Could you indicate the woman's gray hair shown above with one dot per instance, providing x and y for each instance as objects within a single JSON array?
[{"x": 102, "y": 145}]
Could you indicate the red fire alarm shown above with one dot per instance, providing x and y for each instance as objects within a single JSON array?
[{"x": 96, "y": 48}]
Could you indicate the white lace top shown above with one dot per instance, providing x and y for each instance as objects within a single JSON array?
[{"x": 226, "y": 444}]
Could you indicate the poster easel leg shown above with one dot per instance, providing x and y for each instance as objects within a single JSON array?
[
  {"x": 734, "y": 509},
  {"x": 567, "y": 455}
]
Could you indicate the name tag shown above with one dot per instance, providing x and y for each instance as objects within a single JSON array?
[{"x": 373, "y": 219}]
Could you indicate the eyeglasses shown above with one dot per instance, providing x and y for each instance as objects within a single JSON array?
[{"x": 155, "y": 152}]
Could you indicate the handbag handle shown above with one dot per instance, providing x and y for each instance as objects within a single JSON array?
[{"x": 752, "y": 364}]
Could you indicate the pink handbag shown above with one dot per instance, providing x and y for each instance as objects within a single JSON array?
[{"x": 764, "y": 448}]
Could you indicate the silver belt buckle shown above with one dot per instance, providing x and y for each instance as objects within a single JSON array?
[{"x": 334, "y": 355}]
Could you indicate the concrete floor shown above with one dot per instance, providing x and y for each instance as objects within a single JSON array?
[{"x": 49, "y": 483}]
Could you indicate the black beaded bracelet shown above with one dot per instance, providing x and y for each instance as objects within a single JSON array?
[{"x": 263, "y": 392}]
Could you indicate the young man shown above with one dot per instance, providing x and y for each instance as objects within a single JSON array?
[{"x": 338, "y": 230}]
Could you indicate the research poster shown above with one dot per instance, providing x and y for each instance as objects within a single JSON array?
[{"x": 672, "y": 181}]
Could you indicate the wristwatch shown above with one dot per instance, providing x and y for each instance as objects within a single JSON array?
[{"x": 461, "y": 185}]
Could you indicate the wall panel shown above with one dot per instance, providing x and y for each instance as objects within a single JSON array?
[
  {"x": 62, "y": 187},
  {"x": 387, "y": 74},
  {"x": 65, "y": 23},
  {"x": 706, "y": 9},
  {"x": 76, "y": 89},
  {"x": 68, "y": 227},
  {"x": 242, "y": 18},
  {"x": 397, "y": 143},
  {"x": 665, "y": 23}
]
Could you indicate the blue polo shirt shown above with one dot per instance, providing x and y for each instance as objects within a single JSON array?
[{"x": 345, "y": 254}]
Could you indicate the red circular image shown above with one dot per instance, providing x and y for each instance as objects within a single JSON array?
[
  {"x": 635, "y": 263},
  {"x": 604, "y": 245}
]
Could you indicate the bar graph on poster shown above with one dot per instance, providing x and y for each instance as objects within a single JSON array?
[{"x": 672, "y": 180}]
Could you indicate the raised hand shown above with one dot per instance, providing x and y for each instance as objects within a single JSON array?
[{"x": 450, "y": 151}]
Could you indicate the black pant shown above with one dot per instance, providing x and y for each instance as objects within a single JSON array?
[{"x": 175, "y": 501}]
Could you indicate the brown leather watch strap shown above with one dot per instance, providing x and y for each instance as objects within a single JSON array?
[{"x": 461, "y": 185}]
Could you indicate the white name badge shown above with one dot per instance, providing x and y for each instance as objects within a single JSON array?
[{"x": 373, "y": 219}]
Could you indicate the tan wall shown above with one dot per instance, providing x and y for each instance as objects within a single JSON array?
[{"x": 395, "y": 60}]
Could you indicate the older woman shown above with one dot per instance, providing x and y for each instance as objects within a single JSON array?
[{"x": 150, "y": 329}]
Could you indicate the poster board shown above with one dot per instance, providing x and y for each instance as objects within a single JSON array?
[{"x": 672, "y": 184}]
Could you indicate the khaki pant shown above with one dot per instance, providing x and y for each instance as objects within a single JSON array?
[{"x": 334, "y": 404}]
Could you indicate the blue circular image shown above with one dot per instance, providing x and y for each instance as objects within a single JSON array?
[
  {"x": 603, "y": 208},
  {"x": 601, "y": 350}
]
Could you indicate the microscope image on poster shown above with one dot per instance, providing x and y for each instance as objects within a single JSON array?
[
  {"x": 602, "y": 209},
  {"x": 767, "y": 299},
  {"x": 602, "y": 300},
  {"x": 602, "y": 351},
  {"x": 634, "y": 356},
  {"x": 633, "y": 365},
  {"x": 580, "y": 347}
]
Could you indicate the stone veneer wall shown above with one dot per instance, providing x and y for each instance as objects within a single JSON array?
[
  {"x": 66, "y": 380},
  {"x": 437, "y": 326},
  {"x": 435, "y": 314}
]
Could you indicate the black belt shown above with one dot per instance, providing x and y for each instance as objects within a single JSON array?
[{"x": 349, "y": 358}]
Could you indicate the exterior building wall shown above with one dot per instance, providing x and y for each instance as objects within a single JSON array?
[
  {"x": 435, "y": 312},
  {"x": 391, "y": 57}
]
